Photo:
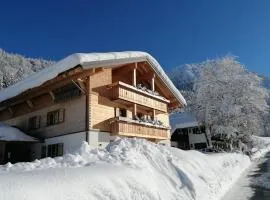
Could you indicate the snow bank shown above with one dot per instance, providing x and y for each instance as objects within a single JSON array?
[
  {"x": 126, "y": 169},
  {"x": 8, "y": 133},
  {"x": 261, "y": 145}
]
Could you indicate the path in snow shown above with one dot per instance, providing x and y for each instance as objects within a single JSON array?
[{"x": 254, "y": 184}]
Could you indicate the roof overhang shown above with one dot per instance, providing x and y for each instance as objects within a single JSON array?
[{"x": 88, "y": 61}]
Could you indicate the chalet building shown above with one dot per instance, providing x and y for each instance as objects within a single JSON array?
[
  {"x": 186, "y": 132},
  {"x": 92, "y": 97}
]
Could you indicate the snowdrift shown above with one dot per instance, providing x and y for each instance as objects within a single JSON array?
[
  {"x": 8, "y": 133},
  {"x": 126, "y": 169}
]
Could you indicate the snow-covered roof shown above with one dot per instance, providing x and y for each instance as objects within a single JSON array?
[
  {"x": 8, "y": 133},
  {"x": 87, "y": 61},
  {"x": 182, "y": 120}
]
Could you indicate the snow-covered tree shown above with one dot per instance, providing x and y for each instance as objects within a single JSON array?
[
  {"x": 14, "y": 67},
  {"x": 229, "y": 100}
]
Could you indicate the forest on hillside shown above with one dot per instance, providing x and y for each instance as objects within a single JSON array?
[{"x": 15, "y": 67}]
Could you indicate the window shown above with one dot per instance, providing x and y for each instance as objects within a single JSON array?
[
  {"x": 66, "y": 92},
  {"x": 202, "y": 128},
  {"x": 185, "y": 131},
  {"x": 55, "y": 117},
  {"x": 122, "y": 112},
  {"x": 34, "y": 122},
  {"x": 54, "y": 150},
  {"x": 43, "y": 151},
  {"x": 196, "y": 130}
]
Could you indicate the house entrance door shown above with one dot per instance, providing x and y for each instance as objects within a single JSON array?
[{"x": 17, "y": 152}]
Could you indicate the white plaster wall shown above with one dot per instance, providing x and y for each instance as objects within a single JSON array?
[
  {"x": 98, "y": 139},
  {"x": 197, "y": 138},
  {"x": 72, "y": 142},
  {"x": 104, "y": 139},
  {"x": 74, "y": 119}
]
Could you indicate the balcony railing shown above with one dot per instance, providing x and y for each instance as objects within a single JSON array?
[
  {"x": 126, "y": 127},
  {"x": 132, "y": 94}
]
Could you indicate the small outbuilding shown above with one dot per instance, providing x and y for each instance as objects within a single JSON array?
[
  {"x": 15, "y": 145},
  {"x": 186, "y": 132}
]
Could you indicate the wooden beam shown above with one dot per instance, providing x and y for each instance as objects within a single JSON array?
[
  {"x": 30, "y": 104},
  {"x": 154, "y": 114},
  {"x": 153, "y": 82},
  {"x": 47, "y": 87},
  {"x": 10, "y": 110},
  {"x": 52, "y": 95},
  {"x": 64, "y": 75},
  {"x": 82, "y": 85},
  {"x": 134, "y": 109},
  {"x": 71, "y": 76},
  {"x": 134, "y": 81}
]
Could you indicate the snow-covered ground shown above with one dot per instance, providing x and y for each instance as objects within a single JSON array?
[
  {"x": 126, "y": 169},
  {"x": 261, "y": 147},
  {"x": 256, "y": 179}
]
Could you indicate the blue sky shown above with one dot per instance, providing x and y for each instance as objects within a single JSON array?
[{"x": 174, "y": 32}]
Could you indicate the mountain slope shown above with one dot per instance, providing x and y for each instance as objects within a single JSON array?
[{"x": 184, "y": 76}]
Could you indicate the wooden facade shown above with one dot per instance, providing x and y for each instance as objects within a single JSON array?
[
  {"x": 129, "y": 93},
  {"x": 131, "y": 128},
  {"x": 103, "y": 95}
]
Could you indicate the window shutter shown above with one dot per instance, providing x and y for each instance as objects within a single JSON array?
[
  {"x": 49, "y": 119},
  {"x": 34, "y": 122},
  {"x": 49, "y": 150},
  {"x": 38, "y": 119},
  {"x": 117, "y": 112},
  {"x": 61, "y": 115},
  {"x": 60, "y": 149}
]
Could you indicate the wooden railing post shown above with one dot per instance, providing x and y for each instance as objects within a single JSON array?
[
  {"x": 153, "y": 82},
  {"x": 134, "y": 81},
  {"x": 134, "y": 109},
  {"x": 154, "y": 114}
]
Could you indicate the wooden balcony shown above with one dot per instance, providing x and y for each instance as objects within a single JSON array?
[
  {"x": 126, "y": 127},
  {"x": 126, "y": 92}
]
